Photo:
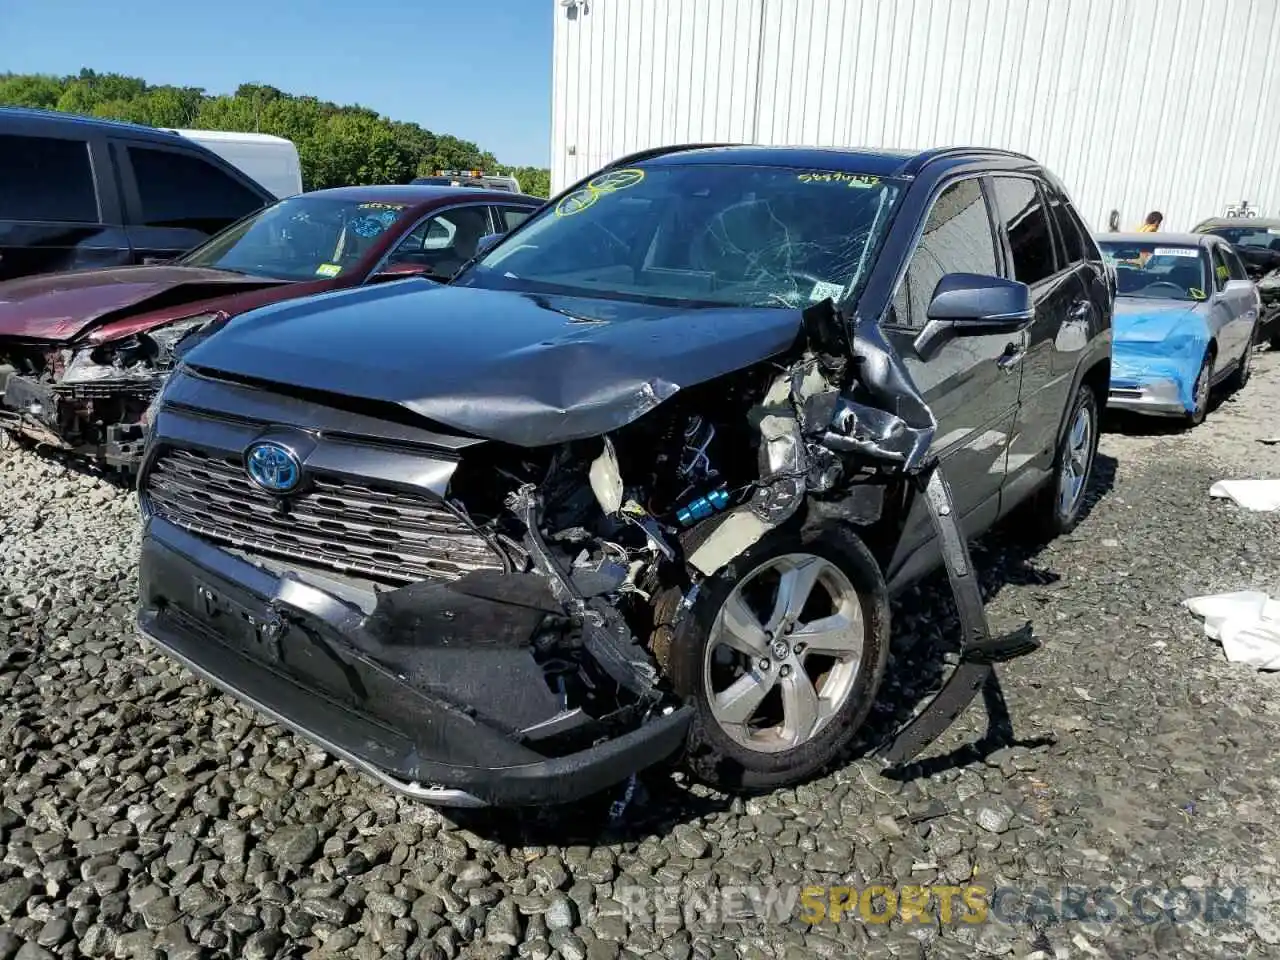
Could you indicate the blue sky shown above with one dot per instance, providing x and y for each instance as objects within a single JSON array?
[{"x": 480, "y": 71}]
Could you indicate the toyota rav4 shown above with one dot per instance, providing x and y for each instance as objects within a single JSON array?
[{"x": 640, "y": 482}]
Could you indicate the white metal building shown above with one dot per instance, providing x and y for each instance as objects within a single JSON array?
[{"x": 1171, "y": 105}]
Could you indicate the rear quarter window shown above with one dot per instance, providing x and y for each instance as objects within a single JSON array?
[{"x": 46, "y": 179}]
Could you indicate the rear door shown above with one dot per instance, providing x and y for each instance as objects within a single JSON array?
[
  {"x": 55, "y": 214},
  {"x": 176, "y": 199},
  {"x": 1057, "y": 337},
  {"x": 971, "y": 383}
]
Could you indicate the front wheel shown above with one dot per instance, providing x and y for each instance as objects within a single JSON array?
[
  {"x": 1200, "y": 392},
  {"x": 781, "y": 656}
]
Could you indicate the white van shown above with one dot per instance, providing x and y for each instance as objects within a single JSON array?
[{"x": 271, "y": 161}]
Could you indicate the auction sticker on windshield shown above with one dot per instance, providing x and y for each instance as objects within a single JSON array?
[
  {"x": 328, "y": 270},
  {"x": 1189, "y": 252},
  {"x": 822, "y": 290}
]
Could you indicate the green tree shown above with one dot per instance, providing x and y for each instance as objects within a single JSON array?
[{"x": 337, "y": 145}]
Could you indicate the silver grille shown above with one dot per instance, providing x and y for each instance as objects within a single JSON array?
[{"x": 348, "y": 527}]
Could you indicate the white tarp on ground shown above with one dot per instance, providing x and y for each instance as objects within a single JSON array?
[
  {"x": 1247, "y": 624},
  {"x": 1260, "y": 495}
]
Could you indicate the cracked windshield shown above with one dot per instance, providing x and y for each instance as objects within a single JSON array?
[
  {"x": 1157, "y": 270},
  {"x": 302, "y": 238},
  {"x": 700, "y": 234}
]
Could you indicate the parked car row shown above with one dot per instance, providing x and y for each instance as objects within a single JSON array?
[{"x": 505, "y": 500}]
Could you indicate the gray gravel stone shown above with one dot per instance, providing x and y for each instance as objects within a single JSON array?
[
  {"x": 295, "y": 844},
  {"x": 146, "y": 816}
]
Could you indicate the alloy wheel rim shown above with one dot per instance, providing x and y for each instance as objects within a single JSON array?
[
  {"x": 1202, "y": 387},
  {"x": 1075, "y": 462},
  {"x": 784, "y": 652}
]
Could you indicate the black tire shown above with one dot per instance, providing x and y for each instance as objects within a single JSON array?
[
  {"x": 1201, "y": 396},
  {"x": 1274, "y": 342},
  {"x": 1244, "y": 368},
  {"x": 712, "y": 755},
  {"x": 1046, "y": 514}
]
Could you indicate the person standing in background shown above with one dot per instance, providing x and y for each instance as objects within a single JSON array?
[{"x": 1152, "y": 223}]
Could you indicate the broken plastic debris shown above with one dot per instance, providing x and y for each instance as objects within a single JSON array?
[
  {"x": 1258, "y": 495},
  {"x": 1246, "y": 623}
]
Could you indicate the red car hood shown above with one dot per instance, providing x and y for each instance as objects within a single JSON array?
[{"x": 61, "y": 306}]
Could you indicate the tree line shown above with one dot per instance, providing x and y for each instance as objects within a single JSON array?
[{"x": 337, "y": 145}]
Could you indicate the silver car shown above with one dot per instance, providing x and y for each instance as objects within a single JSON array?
[{"x": 1186, "y": 313}]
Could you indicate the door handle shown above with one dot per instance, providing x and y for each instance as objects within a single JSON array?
[
  {"x": 1011, "y": 357},
  {"x": 1079, "y": 310}
]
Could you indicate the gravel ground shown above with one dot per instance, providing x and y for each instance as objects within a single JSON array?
[{"x": 142, "y": 815}]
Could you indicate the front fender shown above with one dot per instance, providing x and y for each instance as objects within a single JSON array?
[{"x": 1178, "y": 358}]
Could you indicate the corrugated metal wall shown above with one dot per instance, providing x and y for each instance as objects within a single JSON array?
[{"x": 1136, "y": 104}]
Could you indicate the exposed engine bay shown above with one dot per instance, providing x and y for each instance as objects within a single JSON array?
[
  {"x": 606, "y": 540},
  {"x": 88, "y": 399}
]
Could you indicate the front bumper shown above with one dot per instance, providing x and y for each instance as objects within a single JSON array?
[
  {"x": 97, "y": 413},
  {"x": 299, "y": 654},
  {"x": 1159, "y": 396}
]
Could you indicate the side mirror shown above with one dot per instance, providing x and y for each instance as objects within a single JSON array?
[
  {"x": 402, "y": 271},
  {"x": 969, "y": 305},
  {"x": 487, "y": 243}
]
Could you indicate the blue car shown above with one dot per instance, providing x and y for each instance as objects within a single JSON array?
[{"x": 1185, "y": 317}]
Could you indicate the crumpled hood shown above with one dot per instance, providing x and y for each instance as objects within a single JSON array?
[
  {"x": 521, "y": 368},
  {"x": 1151, "y": 320},
  {"x": 60, "y": 306}
]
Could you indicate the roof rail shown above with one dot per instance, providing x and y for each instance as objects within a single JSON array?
[{"x": 914, "y": 164}]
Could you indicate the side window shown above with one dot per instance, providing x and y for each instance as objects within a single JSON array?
[
  {"x": 1088, "y": 246},
  {"x": 1235, "y": 265},
  {"x": 444, "y": 242},
  {"x": 46, "y": 179},
  {"x": 1072, "y": 241},
  {"x": 181, "y": 190},
  {"x": 1027, "y": 223},
  {"x": 511, "y": 217},
  {"x": 1221, "y": 272},
  {"x": 957, "y": 238}
]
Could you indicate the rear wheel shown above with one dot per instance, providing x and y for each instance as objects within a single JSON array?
[
  {"x": 781, "y": 656},
  {"x": 1058, "y": 507},
  {"x": 1200, "y": 390}
]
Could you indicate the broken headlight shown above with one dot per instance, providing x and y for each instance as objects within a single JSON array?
[
  {"x": 175, "y": 339},
  {"x": 138, "y": 356}
]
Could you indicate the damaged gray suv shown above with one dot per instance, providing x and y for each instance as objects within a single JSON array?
[{"x": 639, "y": 482}]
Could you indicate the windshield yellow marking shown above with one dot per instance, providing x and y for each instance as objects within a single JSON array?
[
  {"x": 328, "y": 270},
  {"x": 609, "y": 182}
]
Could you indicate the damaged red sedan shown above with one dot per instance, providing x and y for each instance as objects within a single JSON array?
[
  {"x": 640, "y": 481},
  {"x": 83, "y": 353}
]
